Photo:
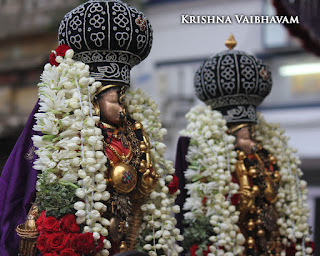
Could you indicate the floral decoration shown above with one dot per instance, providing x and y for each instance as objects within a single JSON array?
[
  {"x": 212, "y": 159},
  {"x": 60, "y": 51},
  {"x": 173, "y": 185},
  {"x": 158, "y": 233},
  {"x": 71, "y": 159},
  {"x": 292, "y": 203},
  {"x": 62, "y": 237},
  {"x": 70, "y": 149}
]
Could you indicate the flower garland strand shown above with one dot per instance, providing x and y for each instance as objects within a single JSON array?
[
  {"x": 159, "y": 234},
  {"x": 212, "y": 159},
  {"x": 70, "y": 148},
  {"x": 209, "y": 177},
  {"x": 292, "y": 196},
  {"x": 70, "y": 152}
]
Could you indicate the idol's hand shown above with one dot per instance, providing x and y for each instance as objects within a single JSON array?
[
  {"x": 148, "y": 182},
  {"x": 246, "y": 200}
]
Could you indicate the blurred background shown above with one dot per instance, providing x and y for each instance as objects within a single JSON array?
[{"x": 28, "y": 33}]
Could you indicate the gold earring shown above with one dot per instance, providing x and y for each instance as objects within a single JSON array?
[{"x": 96, "y": 107}]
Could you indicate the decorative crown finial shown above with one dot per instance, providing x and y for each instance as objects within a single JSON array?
[{"x": 230, "y": 42}]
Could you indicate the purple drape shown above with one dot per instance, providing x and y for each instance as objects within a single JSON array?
[
  {"x": 17, "y": 188},
  {"x": 181, "y": 166}
]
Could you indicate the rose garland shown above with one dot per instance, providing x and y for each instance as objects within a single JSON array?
[
  {"x": 71, "y": 158},
  {"x": 158, "y": 232},
  {"x": 212, "y": 159}
]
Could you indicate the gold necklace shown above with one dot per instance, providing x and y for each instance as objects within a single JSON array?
[
  {"x": 123, "y": 158},
  {"x": 108, "y": 126}
]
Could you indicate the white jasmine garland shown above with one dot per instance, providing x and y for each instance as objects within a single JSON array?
[
  {"x": 212, "y": 158},
  {"x": 159, "y": 208},
  {"x": 70, "y": 150},
  {"x": 67, "y": 122},
  {"x": 209, "y": 175},
  {"x": 292, "y": 196}
]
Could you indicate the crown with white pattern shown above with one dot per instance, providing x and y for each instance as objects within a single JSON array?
[
  {"x": 234, "y": 83},
  {"x": 109, "y": 35}
]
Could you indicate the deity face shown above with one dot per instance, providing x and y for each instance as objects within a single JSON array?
[
  {"x": 244, "y": 140},
  {"x": 111, "y": 110}
]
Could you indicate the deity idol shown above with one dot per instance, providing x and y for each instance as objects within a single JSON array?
[
  {"x": 240, "y": 181},
  {"x": 102, "y": 181}
]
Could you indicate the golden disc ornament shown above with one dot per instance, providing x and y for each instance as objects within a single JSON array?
[{"x": 123, "y": 178}]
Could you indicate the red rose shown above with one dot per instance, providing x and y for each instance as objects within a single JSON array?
[
  {"x": 83, "y": 243},
  {"x": 291, "y": 251},
  {"x": 194, "y": 249},
  {"x": 100, "y": 245},
  {"x": 60, "y": 51},
  {"x": 42, "y": 243},
  {"x": 69, "y": 224},
  {"x": 173, "y": 185},
  {"x": 51, "y": 254},
  {"x": 68, "y": 252},
  {"x": 51, "y": 224},
  {"x": 310, "y": 244},
  {"x": 234, "y": 178},
  {"x": 52, "y": 59},
  {"x": 205, "y": 253},
  {"x": 57, "y": 242},
  {"x": 204, "y": 200},
  {"x": 235, "y": 199},
  {"x": 39, "y": 222}
]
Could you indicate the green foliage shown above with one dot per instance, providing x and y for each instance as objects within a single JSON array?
[
  {"x": 197, "y": 232},
  {"x": 142, "y": 242},
  {"x": 56, "y": 198}
]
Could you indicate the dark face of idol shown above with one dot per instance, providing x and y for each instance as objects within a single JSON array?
[
  {"x": 245, "y": 141},
  {"x": 111, "y": 108}
]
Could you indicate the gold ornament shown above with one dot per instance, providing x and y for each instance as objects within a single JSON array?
[
  {"x": 28, "y": 233},
  {"x": 148, "y": 182},
  {"x": 272, "y": 159},
  {"x": 252, "y": 172},
  {"x": 236, "y": 128},
  {"x": 123, "y": 178},
  {"x": 106, "y": 87},
  {"x": 258, "y": 222},
  {"x": 276, "y": 176},
  {"x": 123, "y": 247},
  {"x": 250, "y": 242},
  {"x": 143, "y": 165},
  {"x": 260, "y": 232},
  {"x": 143, "y": 147},
  {"x": 231, "y": 42},
  {"x": 270, "y": 192},
  {"x": 123, "y": 158},
  {"x": 138, "y": 126},
  {"x": 251, "y": 225},
  {"x": 255, "y": 190}
]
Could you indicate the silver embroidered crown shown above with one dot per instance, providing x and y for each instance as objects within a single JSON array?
[
  {"x": 234, "y": 83},
  {"x": 109, "y": 35}
]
